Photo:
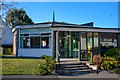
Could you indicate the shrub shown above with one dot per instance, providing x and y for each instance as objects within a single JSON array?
[
  {"x": 118, "y": 58},
  {"x": 47, "y": 67},
  {"x": 97, "y": 60},
  {"x": 115, "y": 52},
  {"x": 51, "y": 64},
  {"x": 117, "y": 71},
  {"x": 2, "y": 55},
  {"x": 108, "y": 65},
  {"x": 42, "y": 69},
  {"x": 43, "y": 57}
]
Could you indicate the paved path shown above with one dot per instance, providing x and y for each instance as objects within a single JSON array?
[{"x": 91, "y": 75}]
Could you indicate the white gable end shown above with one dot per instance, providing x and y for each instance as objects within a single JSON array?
[{"x": 7, "y": 35}]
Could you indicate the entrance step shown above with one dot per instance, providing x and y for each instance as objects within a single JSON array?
[
  {"x": 72, "y": 68},
  {"x": 74, "y": 71},
  {"x": 77, "y": 68}
]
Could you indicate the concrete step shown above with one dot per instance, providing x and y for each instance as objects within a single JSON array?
[
  {"x": 77, "y": 68},
  {"x": 71, "y": 63},
  {"x": 71, "y": 66},
  {"x": 73, "y": 71}
]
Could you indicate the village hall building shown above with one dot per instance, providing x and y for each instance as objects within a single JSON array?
[{"x": 64, "y": 40}]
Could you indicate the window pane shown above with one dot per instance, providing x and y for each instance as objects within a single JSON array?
[
  {"x": 34, "y": 30},
  {"x": 45, "y": 33},
  {"x": 95, "y": 41},
  {"x": 84, "y": 55},
  {"x": 24, "y": 42},
  {"x": 44, "y": 42},
  {"x": 35, "y": 42},
  {"x": 83, "y": 41},
  {"x": 89, "y": 40},
  {"x": 108, "y": 40}
]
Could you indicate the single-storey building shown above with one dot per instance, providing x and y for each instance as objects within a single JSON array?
[
  {"x": 6, "y": 38},
  {"x": 63, "y": 39}
]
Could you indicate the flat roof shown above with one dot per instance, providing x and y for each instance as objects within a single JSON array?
[{"x": 63, "y": 25}]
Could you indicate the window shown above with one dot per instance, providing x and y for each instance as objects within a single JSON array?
[
  {"x": 35, "y": 42},
  {"x": 96, "y": 41},
  {"x": 44, "y": 42},
  {"x": 24, "y": 42},
  {"x": 89, "y": 40},
  {"x": 108, "y": 40},
  {"x": 83, "y": 41}
]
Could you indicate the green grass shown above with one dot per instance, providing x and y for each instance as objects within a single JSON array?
[{"x": 20, "y": 66}]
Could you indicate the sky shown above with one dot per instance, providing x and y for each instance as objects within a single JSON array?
[{"x": 103, "y": 14}]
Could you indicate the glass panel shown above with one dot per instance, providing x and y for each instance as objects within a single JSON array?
[
  {"x": 35, "y": 42},
  {"x": 84, "y": 55},
  {"x": 108, "y": 40},
  {"x": 76, "y": 41},
  {"x": 24, "y": 42},
  {"x": 90, "y": 55},
  {"x": 95, "y": 41},
  {"x": 89, "y": 40},
  {"x": 83, "y": 41},
  {"x": 44, "y": 42},
  {"x": 64, "y": 44},
  {"x": 63, "y": 47},
  {"x": 45, "y": 33},
  {"x": 34, "y": 30},
  {"x": 76, "y": 54},
  {"x": 76, "y": 44}
]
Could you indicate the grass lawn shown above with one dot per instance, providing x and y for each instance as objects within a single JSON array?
[{"x": 20, "y": 66}]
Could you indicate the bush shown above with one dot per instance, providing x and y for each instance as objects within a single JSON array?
[
  {"x": 118, "y": 58},
  {"x": 117, "y": 71},
  {"x": 109, "y": 65},
  {"x": 42, "y": 69},
  {"x": 2, "y": 55},
  {"x": 115, "y": 52},
  {"x": 43, "y": 57},
  {"x": 47, "y": 67},
  {"x": 97, "y": 60}
]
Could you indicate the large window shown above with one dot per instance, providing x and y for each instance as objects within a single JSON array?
[
  {"x": 35, "y": 40},
  {"x": 108, "y": 40}
]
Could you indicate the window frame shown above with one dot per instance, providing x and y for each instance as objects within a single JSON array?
[{"x": 39, "y": 34}]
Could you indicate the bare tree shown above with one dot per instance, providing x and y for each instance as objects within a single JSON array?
[{"x": 5, "y": 6}]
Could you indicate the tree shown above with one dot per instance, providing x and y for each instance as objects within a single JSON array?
[
  {"x": 17, "y": 17},
  {"x": 5, "y": 6}
]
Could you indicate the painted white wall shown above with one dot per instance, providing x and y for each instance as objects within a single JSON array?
[
  {"x": 7, "y": 35},
  {"x": 34, "y": 52}
]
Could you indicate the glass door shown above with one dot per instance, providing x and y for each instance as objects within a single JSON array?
[
  {"x": 76, "y": 45},
  {"x": 63, "y": 47},
  {"x": 84, "y": 52},
  {"x": 86, "y": 45}
]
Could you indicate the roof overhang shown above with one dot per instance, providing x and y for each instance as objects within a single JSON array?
[
  {"x": 31, "y": 26},
  {"x": 87, "y": 29}
]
